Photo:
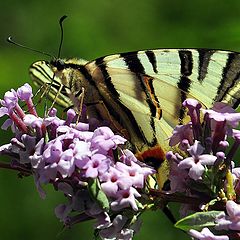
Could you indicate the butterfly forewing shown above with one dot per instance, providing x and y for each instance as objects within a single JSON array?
[
  {"x": 193, "y": 71},
  {"x": 142, "y": 92}
]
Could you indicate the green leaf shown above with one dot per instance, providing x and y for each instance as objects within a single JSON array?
[
  {"x": 198, "y": 221},
  {"x": 97, "y": 194}
]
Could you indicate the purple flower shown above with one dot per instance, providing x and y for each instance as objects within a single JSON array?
[
  {"x": 69, "y": 155},
  {"x": 25, "y": 92},
  {"x": 81, "y": 152},
  {"x": 13, "y": 110},
  {"x": 70, "y": 116},
  {"x": 125, "y": 198},
  {"x": 193, "y": 110},
  {"x": 222, "y": 108},
  {"x": 131, "y": 175},
  {"x": 232, "y": 219},
  {"x": 29, "y": 143},
  {"x": 66, "y": 164},
  {"x": 206, "y": 234},
  {"x": 119, "y": 229},
  {"x": 7, "y": 124},
  {"x": 116, "y": 226},
  {"x": 53, "y": 151},
  {"x": 103, "y": 221},
  {"x": 129, "y": 159},
  {"x": 9, "y": 102},
  {"x": 197, "y": 162},
  {"x": 104, "y": 139},
  {"x": 111, "y": 181},
  {"x": 236, "y": 134},
  {"x": 37, "y": 158},
  {"x": 194, "y": 113},
  {"x": 62, "y": 211},
  {"x": 5, "y": 149},
  {"x": 4, "y": 111},
  {"x": 180, "y": 133},
  {"x": 97, "y": 165},
  {"x": 65, "y": 188},
  {"x": 177, "y": 176},
  {"x": 81, "y": 201},
  {"x": 223, "y": 113}
]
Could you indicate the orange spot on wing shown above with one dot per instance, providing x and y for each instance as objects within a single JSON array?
[
  {"x": 148, "y": 82},
  {"x": 153, "y": 156}
]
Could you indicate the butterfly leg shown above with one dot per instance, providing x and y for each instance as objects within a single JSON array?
[
  {"x": 55, "y": 98},
  {"x": 42, "y": 90},
  {"x": 80, "y": 104}
]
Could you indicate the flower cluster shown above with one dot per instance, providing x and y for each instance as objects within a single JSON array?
[
  {"x": 204, "y": 169},
  {"x": 102, "y": 180},
  {"x": 99, "y": 179}
]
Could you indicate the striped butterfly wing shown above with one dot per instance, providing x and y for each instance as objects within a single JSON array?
[
  {"x": 142, "y": 92},
  {"x": 145, "y": 89}
]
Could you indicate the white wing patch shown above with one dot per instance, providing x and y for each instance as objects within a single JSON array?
[{"x": 207, "y": 90}]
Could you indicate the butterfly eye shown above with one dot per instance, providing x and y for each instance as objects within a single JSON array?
[{"x": 59, "y": 64}]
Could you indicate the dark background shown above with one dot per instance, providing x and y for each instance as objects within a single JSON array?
[{"x": 95, "y": 28}]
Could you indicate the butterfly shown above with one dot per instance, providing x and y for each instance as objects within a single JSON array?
[{"x": 141, "y": 93}]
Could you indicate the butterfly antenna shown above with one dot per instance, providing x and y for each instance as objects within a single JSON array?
[
  {"x": 61, "y": 39},
  {"x": 58, "y": 56},
  {"x": 9, "y": 39}
]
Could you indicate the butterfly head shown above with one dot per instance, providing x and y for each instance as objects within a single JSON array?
[{"x": 59, "y": 64}]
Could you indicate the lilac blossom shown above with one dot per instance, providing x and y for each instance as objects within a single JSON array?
[
  {"x": 180, "y": 133},
  {"x": 223, "y": 113},
  {"x": 197, "y": 162},
  {"x": 111, "y": 181},
  {"x": 236, "y": 179},
  {"x": 206, "y": 234},
  {"x": 102, "y": 180},
  {"x": 202, "y": 154},
  {"x": 69, "y": 156},
  {"x": 118, "y": 230},
  {"x": 98, "y": 165},
  {"x": 205, "y": 166},
  {"x": 9, "y": 102},
  {"x": 126, "y": 198},
  {"x": 178, "y": 177},
  {"x": 231, "y": 220}
]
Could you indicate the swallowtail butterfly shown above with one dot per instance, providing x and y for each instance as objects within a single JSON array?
[{"x": 142, "y": 92}]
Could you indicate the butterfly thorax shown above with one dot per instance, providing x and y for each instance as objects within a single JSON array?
[{"x": 77, "y": 85}]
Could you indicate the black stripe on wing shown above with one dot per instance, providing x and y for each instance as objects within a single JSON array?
[
  {"x": 184, "y": 82},
  {"x": 152, "y": 59},
  {"x": 230, "y": 79},
  {"x": 135, "y": 66},
  {"x": 132, "y": 61},
  {"x": 102, "y": 66},
  {"x": 204, "y": 59},
  {"x": 115, "y": 113}
]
